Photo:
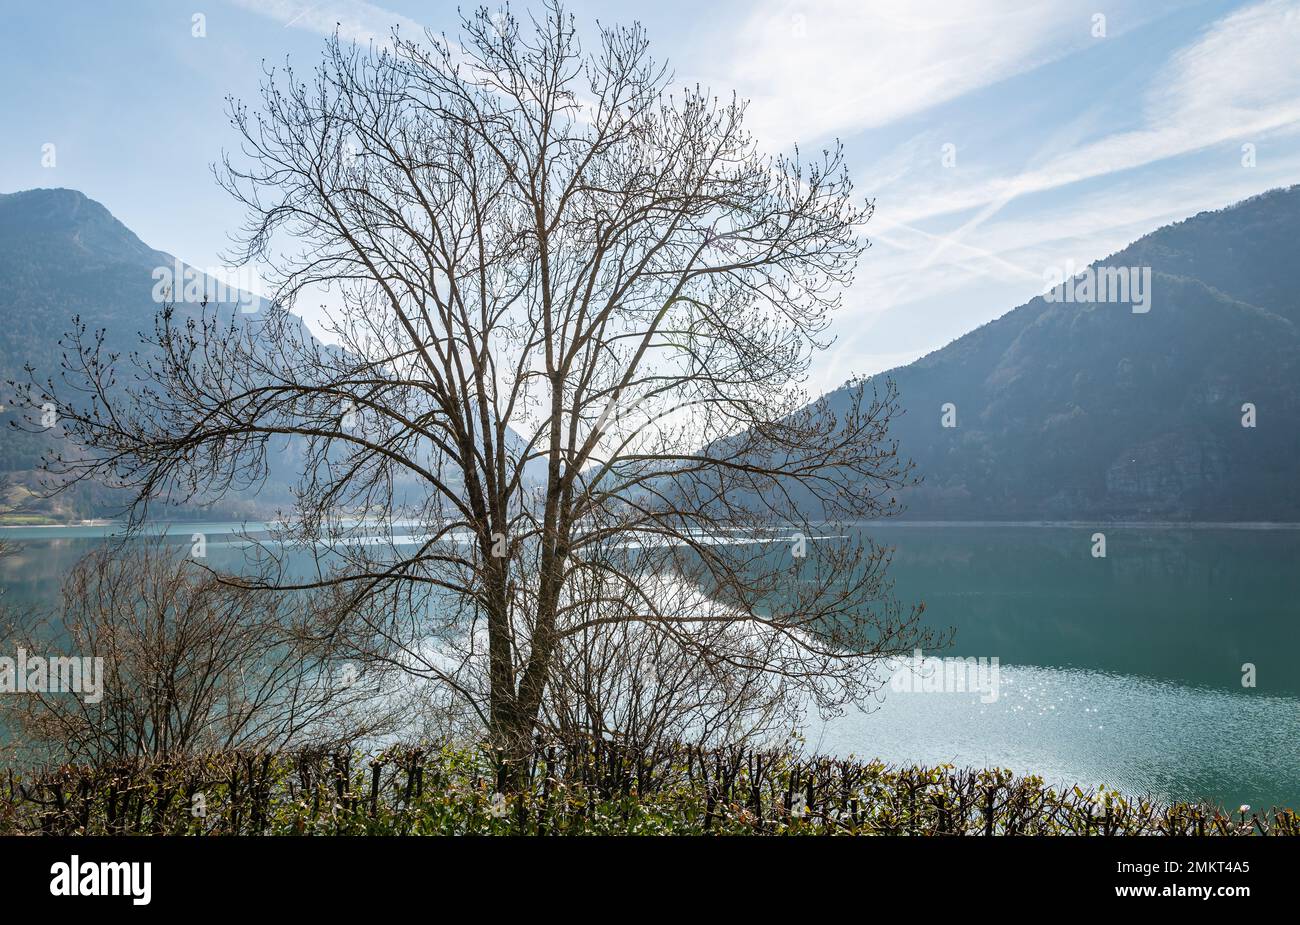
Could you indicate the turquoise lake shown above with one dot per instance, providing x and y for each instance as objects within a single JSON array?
[{"x": 1125, "y": 670}]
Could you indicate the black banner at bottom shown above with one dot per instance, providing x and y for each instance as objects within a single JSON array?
[{"x": 142, "y": 876}]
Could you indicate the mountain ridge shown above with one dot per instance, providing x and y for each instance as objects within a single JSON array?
[
  {"x": 65, "y": 255},
  {"x": 1090, "y": 411},
  {"x": 62, "y": 254}
]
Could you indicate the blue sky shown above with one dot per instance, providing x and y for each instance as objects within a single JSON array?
[{"x": 1066, "y": 143}]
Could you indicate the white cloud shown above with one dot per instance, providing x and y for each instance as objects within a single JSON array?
[
  {"x": 902, "y": 269},
  {"x": 1240, "y": 81},
  {"x": 840, "y": 66}
]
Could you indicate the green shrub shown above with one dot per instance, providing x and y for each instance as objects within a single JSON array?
[{"x": 592, "y": 787}]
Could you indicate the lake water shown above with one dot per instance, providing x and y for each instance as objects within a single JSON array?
[{"x": 1124, "y": 670}]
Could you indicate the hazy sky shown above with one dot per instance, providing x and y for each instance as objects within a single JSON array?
[{"x": 1066, "y": 143}]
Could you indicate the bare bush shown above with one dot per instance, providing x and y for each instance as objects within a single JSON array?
[{"x": 190, "y": 665}]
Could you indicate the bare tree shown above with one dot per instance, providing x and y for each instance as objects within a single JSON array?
[
  {"x": 574, "y": 314},
  {"x": 189, "y": 665}
]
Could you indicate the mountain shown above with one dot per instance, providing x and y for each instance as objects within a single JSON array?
[
  {"x": 1092, "y": 411},
  {"x": 63, "y": 255}
]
